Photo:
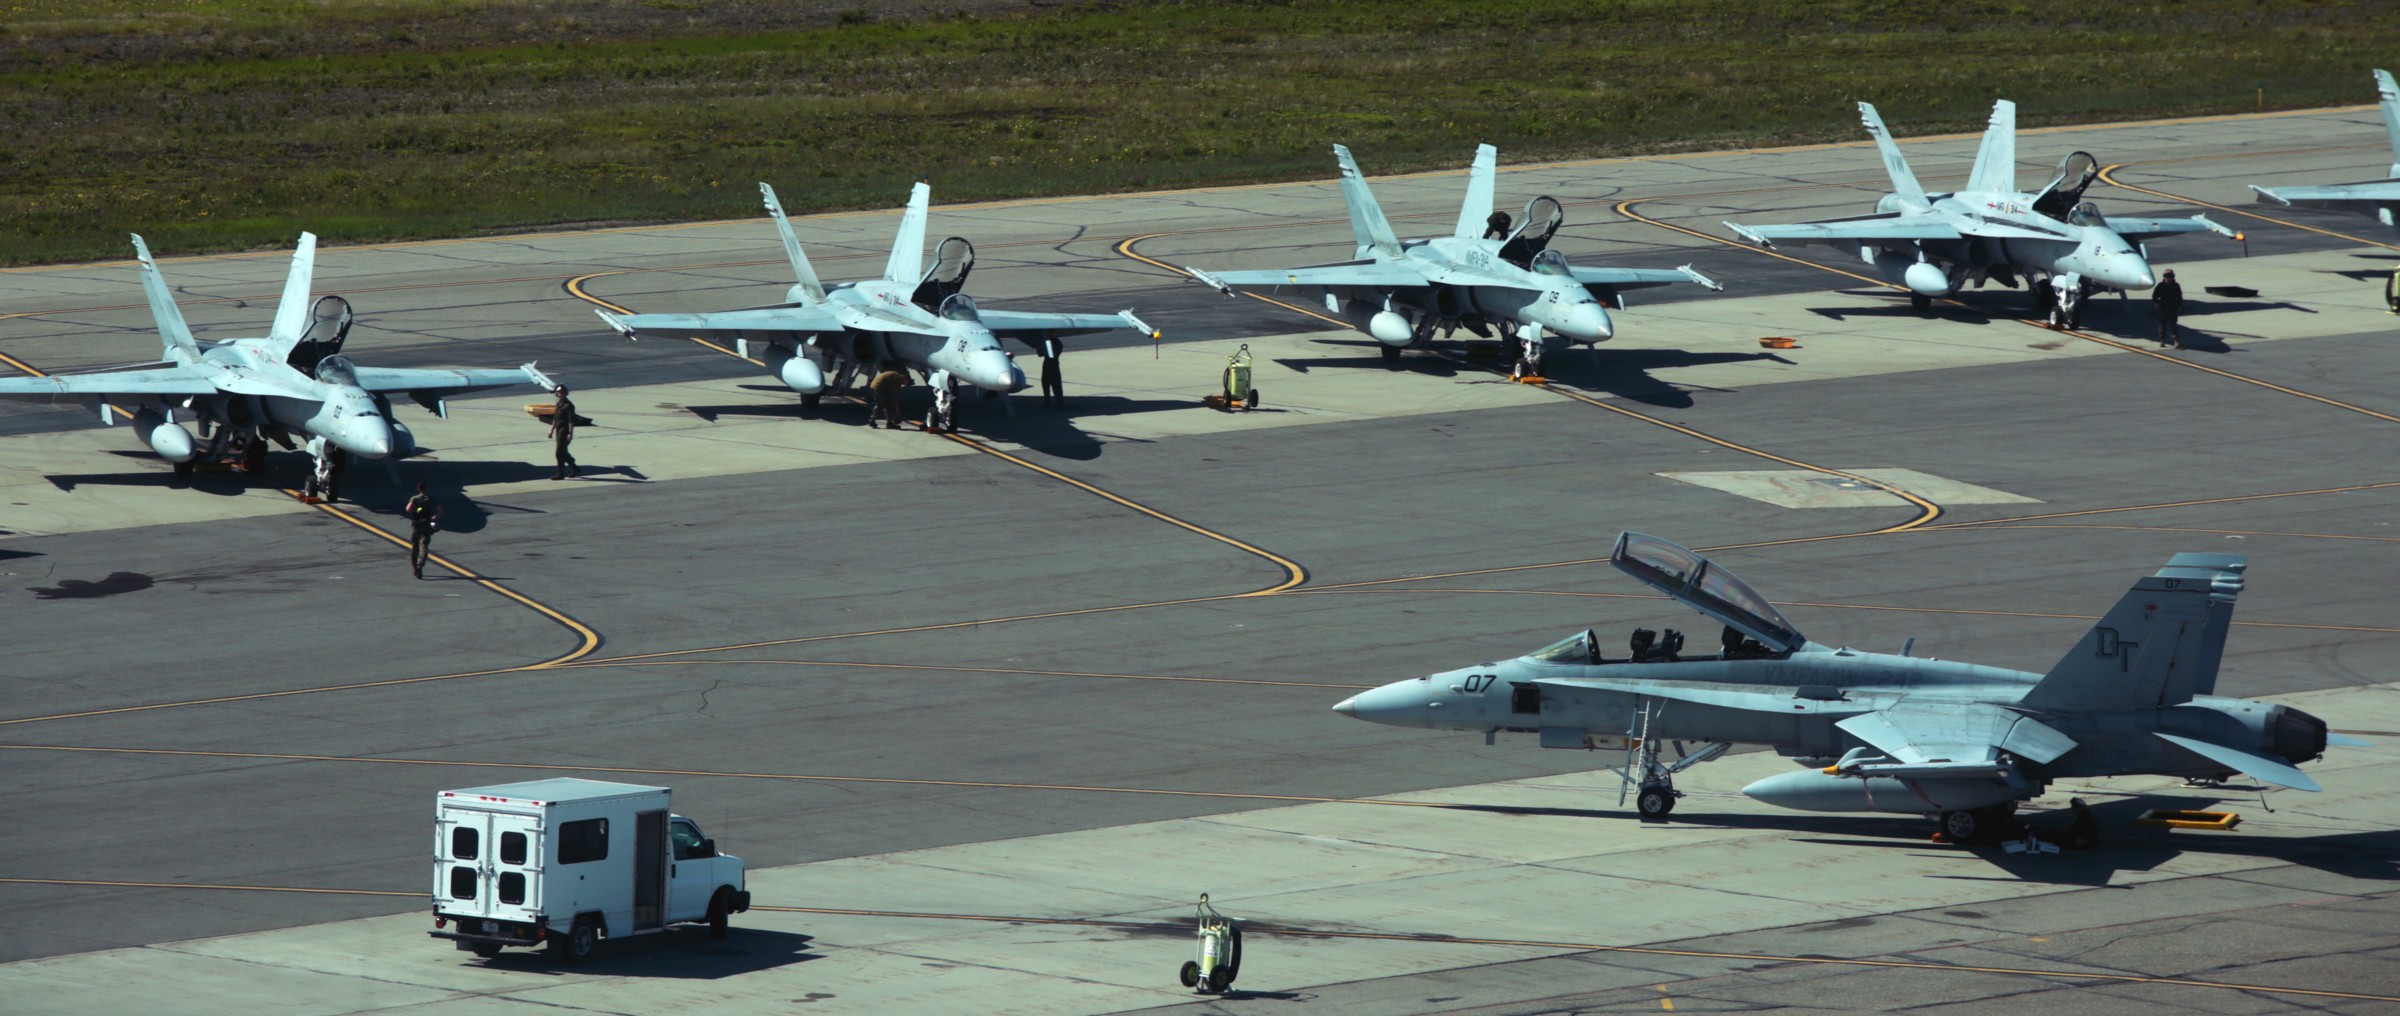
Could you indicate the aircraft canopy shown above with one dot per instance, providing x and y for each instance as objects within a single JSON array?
[
  {"x": 959, "y": 307},
  {"x": 1704, "y": 587}
]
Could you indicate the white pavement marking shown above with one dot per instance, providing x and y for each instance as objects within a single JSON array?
[{"x": 1802, "y": 488}]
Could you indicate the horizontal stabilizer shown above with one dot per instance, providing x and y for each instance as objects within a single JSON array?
[{"x": 2254, "y": 766}]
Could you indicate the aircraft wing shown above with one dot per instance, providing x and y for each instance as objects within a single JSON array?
[
  {"x": 2376, "y": 192},
  {"x": 1846, "y": 232},
  {"x": 764, "y": 319},
  {"x": 126, "y": 385},
  {"x": 2138, "y": 230},
  {"x": 1915, "y": 733},
  {"x": 1640, "y": 278},
  {"x": 1025, "y": 326},
  {"x": 447, "y": 382},
  {"x": 1372, "y": 274}
]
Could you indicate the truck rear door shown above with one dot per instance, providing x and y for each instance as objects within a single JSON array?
[{"x": 489, "y": 864}]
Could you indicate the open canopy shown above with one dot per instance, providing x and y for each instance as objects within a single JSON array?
[{"x": 1702, "y": 586}]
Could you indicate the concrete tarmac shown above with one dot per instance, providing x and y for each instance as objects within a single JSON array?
[{"x": 1072, "y": 632}]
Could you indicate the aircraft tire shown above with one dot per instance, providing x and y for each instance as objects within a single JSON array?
[
  {"x": 1655, "y": 802},
  {"x": 1966, "y": 826},
  {"x": 1391, "y": 354},
  {"x": 183, "y": 468}
]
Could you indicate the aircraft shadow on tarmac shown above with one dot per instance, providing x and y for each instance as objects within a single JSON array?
[
  {"x": 367, "y": 486},
  {"x": 682, "y": 953},
  {"x": 1051, "y": 432},
  {"x": 1624, "y": 373}
]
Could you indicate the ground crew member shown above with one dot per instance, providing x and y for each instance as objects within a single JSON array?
[
  {"x": 562, "y": 432},
  {"x": 1052, "y": 388},
  {"x": 886, "y": 387},
  {"x": 2167, "y": 300},
  {"x": 424, "y": 514}
]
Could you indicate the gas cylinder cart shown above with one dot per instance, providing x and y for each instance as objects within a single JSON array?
[
  {"x": 1238, "y": 392},
  {"x": 1220, "y": 953}
]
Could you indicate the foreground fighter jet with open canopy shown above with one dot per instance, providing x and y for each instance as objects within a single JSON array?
[
  {"x": 912, "y": 315},
  {"x": 1936, "y": 244},
  {"x": 1484, "y": 275},
  {"x": 2376, "y": 197},
  {"x": 1881, "y": 733},
  {"x": 244, "y": 391}
]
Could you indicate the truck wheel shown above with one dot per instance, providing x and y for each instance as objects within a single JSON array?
[
  {"x": 1191, "y": 974},
  {"x": 485, "y": 951},
  {"x": 582, "y": 941},
  {"x": 720, "y": 913}
]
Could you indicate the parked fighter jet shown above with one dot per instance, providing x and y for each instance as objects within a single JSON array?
[
  {"x": 1484, "y": 275},
  {"x": 911, "y": 315},
  {"x": 251, "y": 390},
  {"x": 2379, "y": 197},
  {"x": 1936, "y": 244},
  {"x": 1882, "y": 733}
]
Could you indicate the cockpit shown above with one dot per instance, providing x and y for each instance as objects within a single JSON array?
[
  {"x": 953, "y": 259},
  {"x": 2086, "y": 213},
  {"x": 2062, "y": 197},
  {"x": 959, "y": 307},
  {"x": 1543, "y": 216},
  {"x": 336, "y": 370},
  {"x": 1550, "y": 262},
  {"x": 1753, "y": 629}
]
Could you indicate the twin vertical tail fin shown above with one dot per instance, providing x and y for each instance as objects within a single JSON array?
[
  {"x": 1996, "y": 161},
  {"x": 1475, "y": 215},
  {"x": 1374, "y": 233},
  {"x": 907, "y": 265},
  {"x": 2159, "y": 646},
  {"x": 811, "y": 290},
  {"x": 1904, "y": 182},
  {"x": 292, "y": 313},
  {"x": 2387, "y": 96},
  {"x": 172, "y": 332}
]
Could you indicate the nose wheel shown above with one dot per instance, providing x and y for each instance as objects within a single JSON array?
[{"x": 1656, "y": 800}]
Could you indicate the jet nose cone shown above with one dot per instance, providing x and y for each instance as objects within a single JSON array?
[
  {"x": 1347, "y": 707},
  {"x": 368, "y": 439},
  {"x": 1592, "y": 323}
]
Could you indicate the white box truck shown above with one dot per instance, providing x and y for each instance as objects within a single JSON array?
[{"x": 561, "y": 864}]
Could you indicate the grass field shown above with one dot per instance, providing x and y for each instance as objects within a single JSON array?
[{"x": 212, "y": 126}]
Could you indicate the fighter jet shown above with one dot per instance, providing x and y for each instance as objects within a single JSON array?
[
  {"x": 245, "y": 391},
  {"x": 1877, "y": 732},
  {"x": 912, "y": 315},
  {"x": 1483, "y": 276},
  {"x": 2379, "y": 197},
  {"x": 1936, "y": 244}
]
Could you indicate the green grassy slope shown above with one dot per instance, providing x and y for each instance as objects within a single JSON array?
[{"x": 230, "y": 125}]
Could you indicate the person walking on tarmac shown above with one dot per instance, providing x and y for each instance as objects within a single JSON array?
[
  {"x": 2167, "y": 300},
  {"x": 886, "y": 387},
  {"x": 424, "y": 515},
  {"x": 1052, "y": 387},
  {"x": 562, "y": 433}
]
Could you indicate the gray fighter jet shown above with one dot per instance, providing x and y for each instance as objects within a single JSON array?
[
  {"x": 2377, "y": 197},
  {"x": 912, "y": 315},
  {"x": 293, "y": 383},
  {"x": 1485, "y": 275},
  {"x": 1876, "y": 732},
  {"x": 2051, "y": 240}
]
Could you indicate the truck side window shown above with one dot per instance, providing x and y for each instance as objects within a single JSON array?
[
  {"x": 512, "y": 887},
  {"x": 512, "y": 848},
  {"x": 687, "y": 841},
  {"x": 462, "y": 843},
  {"x": 462, "y": 882},
  {"x": 583, "y": 841}
]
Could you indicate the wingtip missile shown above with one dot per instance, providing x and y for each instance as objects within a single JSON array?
[
  {"x": 532, "y": 373},
  {"x": 1695, "y": 276},
  {"x": 1208, "y": 280},
  {"x": 2213, "y": 227},
  {"x": 1749, "y": 234},
  {"x": 617, "y": 324},
  {"x": 1137, "y": 323},
  {"x": 2265, "y": 195}
]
